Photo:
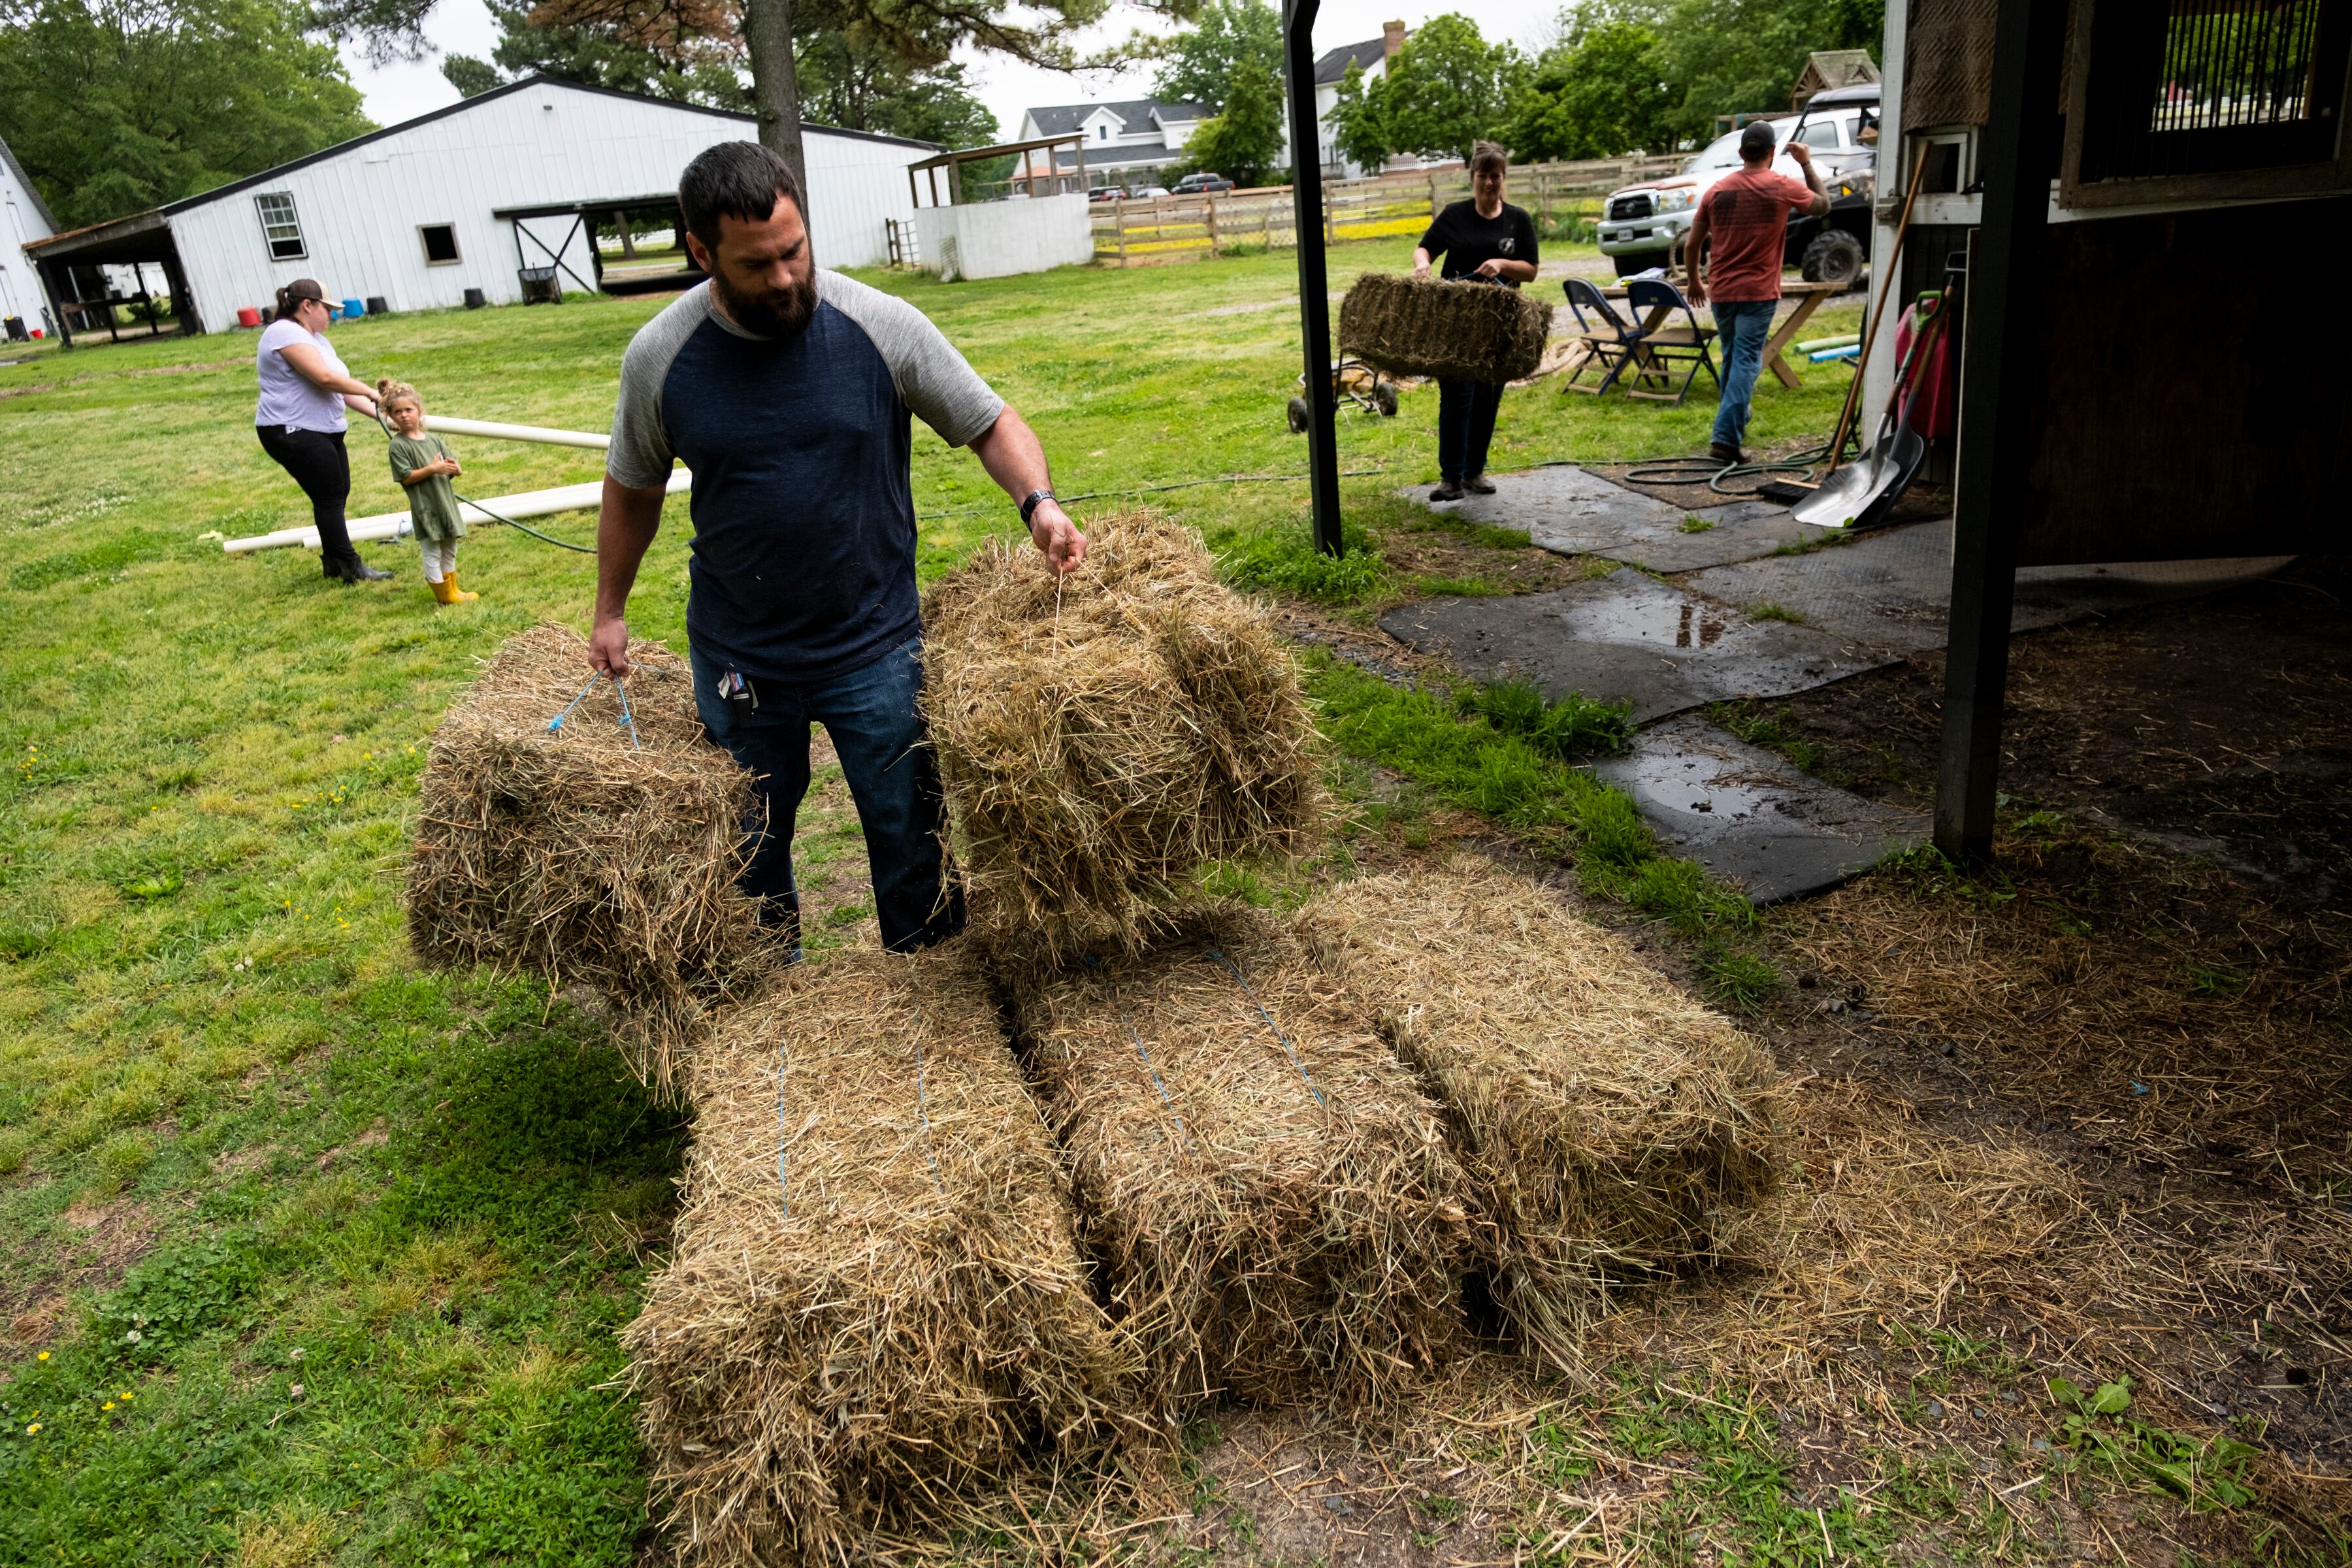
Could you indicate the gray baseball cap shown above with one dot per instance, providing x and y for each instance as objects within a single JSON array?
[{"x": 1756, "y": 139}]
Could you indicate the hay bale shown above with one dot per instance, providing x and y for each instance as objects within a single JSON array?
[
  {"x": 1460, "y": 330},
  {"x": 1609, "y": 1124},
  {"x": 1267, "y": 1226},
  {"x": 1101, "y": 737},
  {"x": 580, "y": 854},
  {"x": 914, "y": 1324}
]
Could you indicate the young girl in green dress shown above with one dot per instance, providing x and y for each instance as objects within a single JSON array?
[{"x": 424, "y": 465}]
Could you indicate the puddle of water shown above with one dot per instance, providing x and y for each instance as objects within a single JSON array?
[
  {"x": 1691, "y": 787},
  {"x": 1645, "y": 618}
]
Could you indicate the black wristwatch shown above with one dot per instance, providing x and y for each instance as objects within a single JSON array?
[{"x": 1029, "y": 503}]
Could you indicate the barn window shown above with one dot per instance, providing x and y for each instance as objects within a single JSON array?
[
  {"x": 280, "y": 227},
  {"x": 440, "y": 243},
  {"x": 2208, "y": 97}
]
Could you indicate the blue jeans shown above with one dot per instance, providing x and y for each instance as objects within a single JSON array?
[
  {"x": 1741, "y": 328},
  {"x": 1465, "y": 424},
  {"x": 870, "y": 715}
]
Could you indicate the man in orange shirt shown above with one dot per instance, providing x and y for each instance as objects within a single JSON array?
[{"x": 1746, "y": 215}]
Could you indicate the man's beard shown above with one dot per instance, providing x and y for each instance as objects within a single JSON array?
[{"x": 785, "y": 315}]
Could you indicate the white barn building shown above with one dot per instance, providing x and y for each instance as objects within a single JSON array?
[
  {"x": 24, "y": 217},
  {"x": 420, "y": 213}
]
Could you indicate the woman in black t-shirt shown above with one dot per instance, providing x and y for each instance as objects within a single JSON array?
[{"x": 1489, "y": 241}]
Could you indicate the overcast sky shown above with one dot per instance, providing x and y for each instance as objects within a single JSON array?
[{"x": 400, "y": 92}]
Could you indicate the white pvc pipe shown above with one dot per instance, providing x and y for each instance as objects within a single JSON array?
[
  {"x": 395, "y": 524},
  {"x": 497, "y": 432}
]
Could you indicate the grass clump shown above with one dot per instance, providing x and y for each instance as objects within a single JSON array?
[
  {"x": 1694, "y": 523},
  {"x": 1285, "y": 561},
  {"x": 1575, "y": 726},
  {"x": 1768, "y": 611}
]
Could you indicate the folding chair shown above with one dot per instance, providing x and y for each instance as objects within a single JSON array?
[
  {"x": 1610, "y": 344},
  {"x": 1658, "y": 350}
]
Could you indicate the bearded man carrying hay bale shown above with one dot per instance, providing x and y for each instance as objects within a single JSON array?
[{"x": 788, "y": 391}]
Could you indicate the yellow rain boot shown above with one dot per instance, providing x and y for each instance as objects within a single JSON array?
[
  {"x": 441, "y": 591},
  {"x": 455, "y": 594}
]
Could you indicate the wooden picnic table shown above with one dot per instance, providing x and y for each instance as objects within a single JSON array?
[{"x": 1808, "y": 297}]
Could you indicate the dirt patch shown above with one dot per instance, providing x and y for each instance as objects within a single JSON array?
[{"x": 94, "y": 1244}]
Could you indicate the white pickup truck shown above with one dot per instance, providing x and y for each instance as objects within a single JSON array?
[{"x": 1641, "y": 225}]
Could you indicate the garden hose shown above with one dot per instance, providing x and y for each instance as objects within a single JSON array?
[
  {"x": 1690, "y": 470},
  {"x": 486, "y": 511}
]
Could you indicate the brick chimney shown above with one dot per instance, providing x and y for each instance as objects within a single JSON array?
[{"x": 1392, "y": 38}]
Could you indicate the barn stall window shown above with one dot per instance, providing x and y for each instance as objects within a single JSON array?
[
  {"x": 440, "y": 243},
  {"x": 2208, "y": 98},
  {"x": 280, "y": 227}
]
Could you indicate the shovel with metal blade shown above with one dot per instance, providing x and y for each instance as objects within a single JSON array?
[{"x": 1861, "y": 494}]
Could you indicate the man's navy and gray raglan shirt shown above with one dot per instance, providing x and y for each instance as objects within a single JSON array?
[{"x": 803, "y": 565}]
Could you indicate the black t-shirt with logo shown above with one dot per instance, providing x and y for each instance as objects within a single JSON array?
[{"x": 1467, "y": 240}]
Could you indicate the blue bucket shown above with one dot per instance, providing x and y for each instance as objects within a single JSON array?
[{"x": 352, "y": 308}]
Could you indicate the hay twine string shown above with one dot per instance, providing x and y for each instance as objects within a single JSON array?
[
  {"x": 628, "y": 717},
  {"x": 1235, "y": 970},
  {"x": 1120, "y": 1002}
]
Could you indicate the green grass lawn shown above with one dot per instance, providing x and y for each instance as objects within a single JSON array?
[{"x": 308, "y": 1253}]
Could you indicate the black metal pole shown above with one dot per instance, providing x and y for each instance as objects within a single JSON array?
[
  {"x": 1314, "y": 291},
  {"x": 2020, "y": 145}
]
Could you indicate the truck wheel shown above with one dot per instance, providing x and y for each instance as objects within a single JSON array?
[
  {"x": 1299, "y": 413},
  {"x": 1833, "y": 257}
]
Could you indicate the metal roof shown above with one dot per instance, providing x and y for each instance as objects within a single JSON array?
[
  {"x": 48, "y": 218},
  {"x": 463, "y": 104}
]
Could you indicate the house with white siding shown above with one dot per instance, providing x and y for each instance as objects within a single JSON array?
[
  {"x": 24, "y": 217},
  {"x": 460, "y": 205},
  {"x": 1134, "y": 143},
  {"x": 1127, "y": 144}
]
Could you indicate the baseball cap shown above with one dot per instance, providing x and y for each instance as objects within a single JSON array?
[{"x": 1757, "y": 139}]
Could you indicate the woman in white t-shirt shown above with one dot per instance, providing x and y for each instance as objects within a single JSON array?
[{"x": 304, "y": 391}]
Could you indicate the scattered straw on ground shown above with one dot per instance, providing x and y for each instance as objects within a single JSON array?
[
  {"x": 875, "y": 1311},
  {"x": 1270, "y": 1194},
  {"x": 1460, "y": 330},
  {"x": 586, "y": 852},
  {"x": 1103, "y": 736},
  {"x": 1609, "y": 1124}
]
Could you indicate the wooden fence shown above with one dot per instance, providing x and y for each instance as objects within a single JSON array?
[{"x": 1190, "y": 228}]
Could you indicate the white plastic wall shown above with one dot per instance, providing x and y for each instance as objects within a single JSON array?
[
  {"x": 361, "y": 210},
  {"x": 998, "y": 239}
]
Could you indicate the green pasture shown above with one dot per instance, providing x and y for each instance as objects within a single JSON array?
[{"x": 308, "y": 1253}]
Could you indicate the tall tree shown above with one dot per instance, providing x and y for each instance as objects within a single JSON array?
[
  {"x": 118, "y": 105},
  {"x": 690, "y": 70},
  {"x": 919, "y": 34},
  {"x": 1245, "y": 142},
  {"x": 1360, "y": 120},
  {"x": 1725, "y": 56},
  {"x": 1446, "y": 90},
  {"x": 1197, "y": 66},
  {"x": 1603, "y": 94}
]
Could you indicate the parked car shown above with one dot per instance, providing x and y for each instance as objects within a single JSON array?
[
  {"x": 1202, "y": 184},
  {"x": 1641, "y": 225},
  {"x": 1145, "y": 193},
  {"x": 1108, "y": 194}
]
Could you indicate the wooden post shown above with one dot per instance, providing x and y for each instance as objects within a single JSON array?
[
  {"x": 2019, "y": 148},
  {"x": 1432, "y": 195},
  {"x": 1213, "y": 226},
  {"x": 1306, "y": 199},
  {"x": 1118, "y": 216}
]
